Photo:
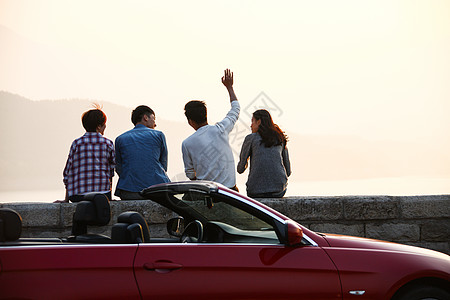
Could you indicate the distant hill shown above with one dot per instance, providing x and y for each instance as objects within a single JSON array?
[{"x": 36, "y": 136}]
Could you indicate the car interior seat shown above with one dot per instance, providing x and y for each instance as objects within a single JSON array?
[
  {"x": 131, "y": 228},
  {"x": 94, "y": 210},
  {"x": 10, "y": 225}
]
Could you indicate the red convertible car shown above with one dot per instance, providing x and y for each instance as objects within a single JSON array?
[{"x": 222, "y": 245}]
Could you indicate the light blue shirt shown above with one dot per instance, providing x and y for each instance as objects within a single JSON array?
[
  {"x": 141, "y": 159},
  {"x": 207, "y": 153}
]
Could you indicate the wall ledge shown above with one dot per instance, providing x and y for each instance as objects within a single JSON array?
[{"x": 416, "y": 220}]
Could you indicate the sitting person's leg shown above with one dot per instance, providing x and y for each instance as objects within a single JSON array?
[
  {"x": 78, "y": 198},
  {"x": 268, "y": 195},
  {"x": 127, "y": 195}
]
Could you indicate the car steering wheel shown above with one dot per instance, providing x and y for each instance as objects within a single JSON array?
[{"x": 193, "y": 233}]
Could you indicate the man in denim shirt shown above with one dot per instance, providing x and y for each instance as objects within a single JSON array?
[{"x": 141, "y": 155}]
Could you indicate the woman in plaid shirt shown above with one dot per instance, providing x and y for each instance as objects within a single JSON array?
[{"x": 91, "y": 161}]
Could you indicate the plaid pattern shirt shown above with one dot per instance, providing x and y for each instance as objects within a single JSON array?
[{"x": 90, "y": 165}]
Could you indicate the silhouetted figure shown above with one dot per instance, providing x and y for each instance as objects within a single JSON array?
[
  {"x": 91, "y": 161},
  {"x": 269, "y": 158},
  {"x": 207, "y": 153},
  {"x": 141, "y": 155}
]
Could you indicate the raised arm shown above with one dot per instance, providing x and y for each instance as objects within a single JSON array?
[
  {"x": 227, "y": 80},
  {"x": 227, "y": 124}
]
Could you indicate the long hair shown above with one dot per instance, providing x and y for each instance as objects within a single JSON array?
[{"x": 270, "y": 133}]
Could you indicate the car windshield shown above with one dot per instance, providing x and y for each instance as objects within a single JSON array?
[{"x": 212, "y": 208}]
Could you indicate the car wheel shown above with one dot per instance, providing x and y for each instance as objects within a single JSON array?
[{"x": 425, "y": 293}]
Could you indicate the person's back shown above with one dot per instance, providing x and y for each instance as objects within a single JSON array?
[
  {"x": 91, "y": 160},
  {"x": 269, "y": 158},
  {"x": 141, "y": 156},
  {"x": 207, "y": 153},
  {"x": 269, "y": 167}
]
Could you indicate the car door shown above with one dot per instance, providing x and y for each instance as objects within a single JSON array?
[
  {"x": 235, "y": 271},
  {"x": 68, "y": 272}
]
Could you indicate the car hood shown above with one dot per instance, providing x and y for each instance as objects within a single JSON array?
[{"x": 344, "y": 241}]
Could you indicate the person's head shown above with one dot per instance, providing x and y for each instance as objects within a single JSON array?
[
  {"x": 94, "y": 120},
  {"x": 270, "y": 133},
  {"x": 196, "y": 113},
  {"x": 143, "y": 115}
]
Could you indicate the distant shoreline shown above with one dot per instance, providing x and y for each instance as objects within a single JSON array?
[{"x": 402, "y": 186}]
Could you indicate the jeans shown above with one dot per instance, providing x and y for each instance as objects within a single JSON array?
[
  {"x": 78, "y": 198},
  {"x": 127, "y": 195},
  {"x": 268, "y": 195}
]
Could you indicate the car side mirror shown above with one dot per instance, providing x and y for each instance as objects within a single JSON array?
[
  {"x": 175, "y": 226},
  {"x": 294, "y": 233}
]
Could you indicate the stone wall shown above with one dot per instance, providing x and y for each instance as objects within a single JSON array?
[{"x": 415, "y": 220}]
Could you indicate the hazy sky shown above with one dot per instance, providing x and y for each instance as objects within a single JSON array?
[{"x": 376, "y": 69}]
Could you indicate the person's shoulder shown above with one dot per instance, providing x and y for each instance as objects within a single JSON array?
[
  {"x": 76, "y": 142},
  {"x": 159, "y": 135},
  {"x": 252, "y": 136},
  {"x": 152, "y": 134},
  {"x": 186, "y": 143},
  {"x": 192, "y": 139},
  {"x": 107, "y": 140},
  {"x": 124, "y": 134},
  {"x": 189, "y": 138},
  {"x": 157, "y": 132},
  {"x": 144, "y": 130},
  {"x": 78, "y": 139},
  {"x": 100, "y": 138},
  {"x": 82, "y": 139}
]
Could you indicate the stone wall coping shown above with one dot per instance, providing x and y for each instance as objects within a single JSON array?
[
  {"x": 301, "y": 209},
  {"x": 415, "y": 220}
]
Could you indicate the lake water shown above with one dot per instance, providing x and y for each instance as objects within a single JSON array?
[
  {"x": 376, "y": 186},
  {"x": 379, "y": 186}
]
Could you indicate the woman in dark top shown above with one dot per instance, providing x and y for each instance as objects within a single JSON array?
[{"x": 269, "y": 158}]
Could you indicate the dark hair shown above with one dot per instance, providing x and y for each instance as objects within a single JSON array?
[
  {"x": 139, "y": 112},
  {"x": 93, "y": 118},
  {"x": 195, "y": 110},
  {"x": 270, "y": 133}
]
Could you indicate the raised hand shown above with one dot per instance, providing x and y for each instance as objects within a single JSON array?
[{"x": 227, "y": 79}]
